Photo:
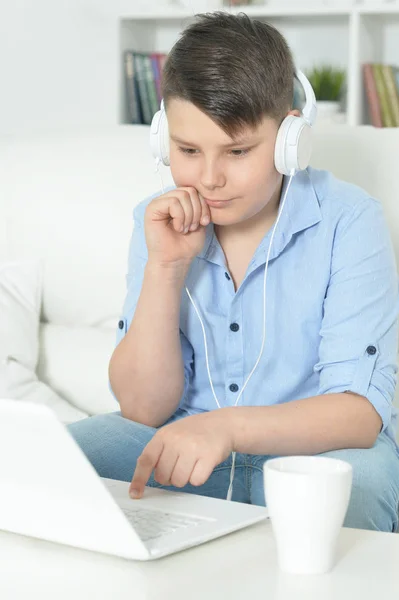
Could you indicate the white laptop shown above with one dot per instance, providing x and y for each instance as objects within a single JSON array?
[{"x": 50, "y": 490}]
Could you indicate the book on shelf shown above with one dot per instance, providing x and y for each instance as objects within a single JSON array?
[
  {"x": 381, "y": 83},
  {"x": 392, "y": 92},
  {"x": 143, "y": 77}
]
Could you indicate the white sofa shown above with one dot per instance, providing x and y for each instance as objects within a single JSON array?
[{"x": 68, "y": 197}]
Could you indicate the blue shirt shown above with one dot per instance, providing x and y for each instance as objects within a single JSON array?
[{"x": 331, "y": 305}]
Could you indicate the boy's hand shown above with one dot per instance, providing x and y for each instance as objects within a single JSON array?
[
  {"x": 185, "y": 451},
  {"x": 175, "y": 226}
]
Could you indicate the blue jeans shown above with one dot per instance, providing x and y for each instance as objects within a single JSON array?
[{"x": 113, "y": 444}]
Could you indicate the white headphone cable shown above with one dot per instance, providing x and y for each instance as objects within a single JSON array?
[{"x": 292, "y": 173}]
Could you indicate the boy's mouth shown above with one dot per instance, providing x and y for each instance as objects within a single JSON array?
[{"x": 218, "y": 203}]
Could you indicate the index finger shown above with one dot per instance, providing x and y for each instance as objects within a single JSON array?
[
  {"x": 145, "y": 465},
  {"x": 206, "y": 213}
]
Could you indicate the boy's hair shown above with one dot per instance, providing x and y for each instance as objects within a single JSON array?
[{"x": 234, "y": 69}]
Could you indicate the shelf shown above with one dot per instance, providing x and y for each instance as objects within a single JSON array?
[
  {"x": 251, "y": 11},
  {"x": 171, "y": 15},
  {"x": 346, "y": 36},
  {"x": 264, "y": 12},
  {"x": 379, "y": 10},
  {"x": 294, "y": 11}
]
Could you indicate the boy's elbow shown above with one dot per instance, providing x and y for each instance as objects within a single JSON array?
[
  {"x": 374, "y": 430},
  {"x": 367, "y": 423},
  {"x": 375, "y": 425},
  {"x": 141, "y": 417},
  {"x": 371, "y": 423}
]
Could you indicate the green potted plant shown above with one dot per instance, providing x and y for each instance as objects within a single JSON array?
[{"x": 328, "y": 84}]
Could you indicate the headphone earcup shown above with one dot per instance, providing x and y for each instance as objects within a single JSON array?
[
  {"x": 159, "y": 137},
  {"x": 293, "y": 147}
]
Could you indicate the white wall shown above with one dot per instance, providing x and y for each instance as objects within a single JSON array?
[{"x": 59, "y": 63}]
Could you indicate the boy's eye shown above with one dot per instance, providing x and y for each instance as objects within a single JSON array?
[
  {"x": 241, "y": 152},
  {"x": 188, "y": 150}
]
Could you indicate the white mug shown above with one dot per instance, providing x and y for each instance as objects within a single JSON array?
[{"x": 307, "y": 498}]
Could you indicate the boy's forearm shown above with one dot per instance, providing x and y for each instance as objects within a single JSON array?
[
  {"x": 146, "y": 369},
  {"x": 309, "y": 426}
]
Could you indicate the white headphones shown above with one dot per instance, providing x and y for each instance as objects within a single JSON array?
[{"x": 294, "y": 138}]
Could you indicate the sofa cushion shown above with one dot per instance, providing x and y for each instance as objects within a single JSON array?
[
  {"x": 76, "y": 191},
  {"x": 20, "y": 383},
  {"x": 20, "y": 303},
  {"x": 366, "y": 156},
  {"x": 20, "y": 298},
  {"x": 74, "y": 362}
]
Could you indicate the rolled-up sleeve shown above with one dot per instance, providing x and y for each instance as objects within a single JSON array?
[
  {"x": 137, "y": 260},
  {"x": 359, "y": 332}
]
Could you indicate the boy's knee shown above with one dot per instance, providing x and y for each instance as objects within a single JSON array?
[
  {"x": 375, "y": 487},
  {"x": 106, "y": 427},
  {"x": 111, "y": 443},
  {"x": 92, "y": 429},
  {"x": 373, "y": 505}
]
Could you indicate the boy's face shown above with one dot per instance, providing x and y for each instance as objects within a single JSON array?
[{"x": 241, "y": 171}]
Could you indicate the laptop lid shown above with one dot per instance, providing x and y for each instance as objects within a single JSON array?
[{"x": 50, "y": 490}]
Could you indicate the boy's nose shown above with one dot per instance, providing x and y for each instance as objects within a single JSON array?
[{"x": 212, "y": 178}]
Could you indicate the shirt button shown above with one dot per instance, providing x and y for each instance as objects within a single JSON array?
[
  {"x": 234, "y": 327},
  {"x": 227, "y": 276},
  {"x": 121, "y": 324},
  {"x": 371, "y": 350},
  {"x": 233, "y": 387}
]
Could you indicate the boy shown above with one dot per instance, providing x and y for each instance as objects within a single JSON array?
[{"x": 326, "y": 378}]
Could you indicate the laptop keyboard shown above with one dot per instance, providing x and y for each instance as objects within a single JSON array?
[{"x": 152, "y": 524}]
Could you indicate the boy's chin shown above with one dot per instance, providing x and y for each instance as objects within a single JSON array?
[{"x": 226, "y": 217}]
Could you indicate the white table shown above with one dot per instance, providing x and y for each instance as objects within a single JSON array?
[{"x": 239, "y": 566}]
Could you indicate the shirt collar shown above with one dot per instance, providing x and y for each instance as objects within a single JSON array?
[
  {"x": 301, "y": 211},
  {"x": 209, "y": 236}
]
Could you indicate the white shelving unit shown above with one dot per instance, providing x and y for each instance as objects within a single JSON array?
[{"x": 344, "y": 34}]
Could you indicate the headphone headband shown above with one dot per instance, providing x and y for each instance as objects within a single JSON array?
[{"x": 309, "y": 111}]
